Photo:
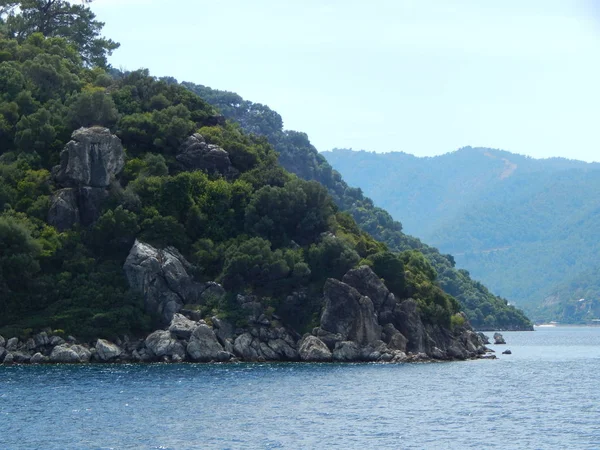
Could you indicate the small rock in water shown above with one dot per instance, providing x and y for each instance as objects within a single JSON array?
[
  {"x": 507, "y": 352},
  {"x": 498, "y": 339}
]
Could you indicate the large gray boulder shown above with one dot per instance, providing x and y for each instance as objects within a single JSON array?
[
  {"x": 181, "y": 326},
  {"x": 161, "y": 277},
  {"x": 244, "y": 348},
  {"x": 349, "y": 314},
  {"x": 70, "y": 354},
  {"x": 499, "y": 339},
  {"x": 105, "y": 350},
  {"x": 161, "y": 343},
  {"x": 196, "y": 154},
  {"x": 205, "y": 347},
  {"x": 312, "y": 348},
  {"x": 11, "y": 344},
  {"x": 92, "y": 158},
  {"x": 2, "y": 341}
]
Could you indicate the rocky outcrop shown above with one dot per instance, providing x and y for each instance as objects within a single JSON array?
[
  {"x": 311, "y": 348},
  {"x": 66, "y": 353},
  {"x": 162, "y": 343},
  {"x": 499, "y": 339},
  {"x": 92, "y": 158},
  {"x": 161, "y": 277},
  {"x": 107, "y": 351},
  {"x": 196, "y": 154},
  {"x": 205, "y": 347},
  {"x": 363, "y": 321},
  {"x": 88, "y": 164},
  {"x": 349, "y": 314},
  {"x": 181, "y": 326}
]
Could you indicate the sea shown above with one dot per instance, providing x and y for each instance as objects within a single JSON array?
[{"x": 545, "y": 395}]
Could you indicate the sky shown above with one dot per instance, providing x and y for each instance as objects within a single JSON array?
[{"x": 420, "y": 76}]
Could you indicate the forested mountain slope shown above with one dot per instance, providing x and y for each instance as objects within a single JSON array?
[
  {"x": 297, "y": 155},
  {"x": 101, "y": 169},
  {"x": 525, "y": 227}
]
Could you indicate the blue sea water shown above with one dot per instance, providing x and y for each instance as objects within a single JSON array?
[{"x": 544, "y": 396}]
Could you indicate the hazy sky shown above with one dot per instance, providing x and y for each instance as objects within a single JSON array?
[{"x": 424, "y": 77}]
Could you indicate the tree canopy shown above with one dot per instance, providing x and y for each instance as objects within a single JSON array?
[{"x": 58, "y": 18}]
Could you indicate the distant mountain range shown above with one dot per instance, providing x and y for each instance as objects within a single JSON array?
[{"x": 528, "y": 228}]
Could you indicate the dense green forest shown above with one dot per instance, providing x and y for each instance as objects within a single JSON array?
[
  {"x": 297, "y": 155},
  {"x": 526, "y": 227},
  {"x": 251, "y": 226}
]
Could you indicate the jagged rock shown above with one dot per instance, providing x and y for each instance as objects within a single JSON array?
[
  {"x": 196, "y": 154},
  {"x": 204, "y": 346},
  {"x": 499, "y": 339},
  {"x": 56, "y": 340},
  {"x": 69, "y": 354},
  {"x": 283, "y": 350},
  {"x": 162, "y": 278},
  {"x": 436, "y": 353},
  {"x": 105, "y": 350},
  {"x": 181, "y": 326},
  {"x": 346, "y": 351},
  {"x": 38, "y": 358},
  {"x": 398, "y": 356},
  {"x": 11, "y": 344},
  {"x": 223, "y": 329},
  {"x": 92, "y": 158},
  {"x": 472, "y": 342},
  {"x": 329, "y": 339},
  {"x": 365, "y": 281},
  {"x": 507, "y": 352},
  {"x": 8, "y": 359},
  {"x": 2, "y": 353},
  {"x": 311, "y": 348},
  {"x": 83, "y": 353},
  {"x": 484, "y": 339},
  {"x": 242, "y": 347},
  {"x": 349, "y": 313},
  {"x": 64, "y": 209},
  {"x": 394, "y": 339},
  {"x": 2, "y": 341},
  {"x": 41, "y": 339},
  {"x": 162, "y": 343},
  {"x": 408, "y": 322}
]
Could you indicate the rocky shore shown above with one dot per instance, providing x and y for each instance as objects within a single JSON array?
[{"x": 361, "y": 321}]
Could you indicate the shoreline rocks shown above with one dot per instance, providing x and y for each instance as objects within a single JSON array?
[{"x": 361, "y": 321}]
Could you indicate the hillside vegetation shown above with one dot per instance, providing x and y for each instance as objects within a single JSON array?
[
  {"x": 296, "y": 154},
  {"x": 253, "y": 226},
  {"x": 526, "y": 227}
]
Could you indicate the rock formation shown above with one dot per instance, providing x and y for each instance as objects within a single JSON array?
[
  {"x": 361, "y": 321},
  {"x": 196, "y": 154},
  {"x": 88, "y": 164},
  {"x": 499, "y": 339},
  {"x": 162, "y": 278}
]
